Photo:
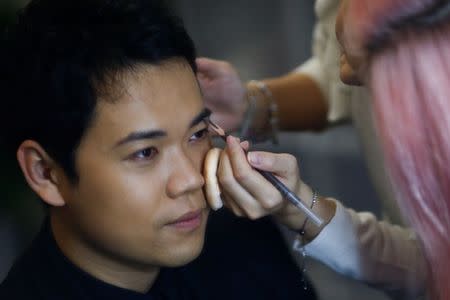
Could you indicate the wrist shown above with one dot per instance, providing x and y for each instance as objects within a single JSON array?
[
  {"x": 326, "y": 209},
  {"x": 260, "y": 121},
  {"x": 320, "y": 205}
]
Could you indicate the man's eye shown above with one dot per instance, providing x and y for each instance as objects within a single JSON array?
[
  {"x": 199, "y": 135},
  {"x": 144, "y": 154}
]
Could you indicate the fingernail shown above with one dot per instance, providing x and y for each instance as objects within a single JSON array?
[{"x": 253, "y": 158}]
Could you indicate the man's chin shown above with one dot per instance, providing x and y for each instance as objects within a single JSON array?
[{"x": 181, "y": 259}]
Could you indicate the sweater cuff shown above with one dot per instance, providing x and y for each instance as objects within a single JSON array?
[{"x": 337, "y": 244}]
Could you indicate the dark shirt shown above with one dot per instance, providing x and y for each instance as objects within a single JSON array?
[
  {"x": 245, "y": 260},
  {"x": 241, "y": 260}
]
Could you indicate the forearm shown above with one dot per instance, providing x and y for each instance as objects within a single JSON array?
[
  {"x": 290, "y": 102},
  {"x": 301, "y": 104}
]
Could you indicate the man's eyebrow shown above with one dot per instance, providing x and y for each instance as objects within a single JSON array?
[
  {"x": 205, "y": 113},
  {"x": 141, "y": 135}
]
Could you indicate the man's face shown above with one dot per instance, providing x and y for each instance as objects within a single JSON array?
[{"x": 139, "y": 198}]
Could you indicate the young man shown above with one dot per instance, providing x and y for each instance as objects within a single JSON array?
[
  {"x": 105, "y": 117},
  {"x": 108, "y": 125}
]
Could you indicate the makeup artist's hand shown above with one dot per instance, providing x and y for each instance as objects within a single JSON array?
[
  {"x": 231, "y": 178},
  {"x": 246, "y": 192},
  {"x": 223, "y": 92}
]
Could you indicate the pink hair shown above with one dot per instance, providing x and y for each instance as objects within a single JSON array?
[{"x": 410, "y": 83}]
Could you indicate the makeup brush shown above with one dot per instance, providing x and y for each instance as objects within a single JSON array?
[{"x": 283, "y": 189}]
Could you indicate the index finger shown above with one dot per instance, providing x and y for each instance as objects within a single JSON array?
[{"x": 249, "y": 178}]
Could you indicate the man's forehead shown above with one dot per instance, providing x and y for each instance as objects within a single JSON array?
[
  {"x": 114, "y": 85},
  {"x": 165, "y": 100}
]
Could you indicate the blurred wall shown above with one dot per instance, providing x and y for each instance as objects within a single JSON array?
[{"x": 262, "y": 38}]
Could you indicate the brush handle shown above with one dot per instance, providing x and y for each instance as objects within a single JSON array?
[{"x": 291, "y": 197}]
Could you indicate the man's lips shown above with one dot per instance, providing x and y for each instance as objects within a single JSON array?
[{"x": 189, "y": 220}]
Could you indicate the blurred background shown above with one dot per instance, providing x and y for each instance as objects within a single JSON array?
[
  {"x": 20, "y": 214},
  {"x": 262, "y": 39}
]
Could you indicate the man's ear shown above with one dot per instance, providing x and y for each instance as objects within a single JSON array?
[{"x": 40, "y": 172}]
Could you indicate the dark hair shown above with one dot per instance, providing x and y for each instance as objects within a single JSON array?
[{"x": 60, "y": 55}]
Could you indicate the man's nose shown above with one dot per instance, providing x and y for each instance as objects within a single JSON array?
[{"x": 185, "y": 176}]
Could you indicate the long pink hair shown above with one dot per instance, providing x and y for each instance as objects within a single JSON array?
[{"x": 409, "y": 80}]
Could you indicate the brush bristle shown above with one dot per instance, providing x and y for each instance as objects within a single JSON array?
[{"x": 217, "y": 129}]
